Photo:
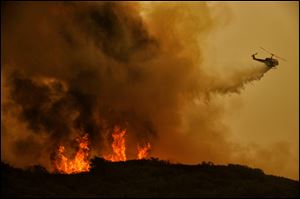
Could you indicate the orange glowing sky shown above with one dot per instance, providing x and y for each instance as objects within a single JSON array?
[
  {"x": 266, "y": 113},
  {"x": 257, "y": 127}
]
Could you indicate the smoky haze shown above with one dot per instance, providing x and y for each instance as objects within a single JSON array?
[{"x": 73, "y": 68}]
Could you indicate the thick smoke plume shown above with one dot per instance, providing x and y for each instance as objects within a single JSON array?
[{"x": 73, "y": 68}]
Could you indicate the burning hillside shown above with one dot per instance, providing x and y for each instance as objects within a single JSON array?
[
  {"x": 80, "y": 161},
  {"x": 115, "y": 80}
]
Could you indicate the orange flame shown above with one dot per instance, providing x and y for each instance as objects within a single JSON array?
[
  {"x": 80, "y": 163},
  {"x": 143, "y": 151},
  {"x": 118, "y": 146}
]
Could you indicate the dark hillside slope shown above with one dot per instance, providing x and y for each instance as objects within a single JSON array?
[{"x": 147, "y": 178}]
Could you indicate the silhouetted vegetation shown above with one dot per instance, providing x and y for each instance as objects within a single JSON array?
[{"x": 147, "y": 178}]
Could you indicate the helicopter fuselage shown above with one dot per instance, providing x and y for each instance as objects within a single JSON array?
[{"x": 270, "y": 62}]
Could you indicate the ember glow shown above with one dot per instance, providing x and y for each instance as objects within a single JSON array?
[
  {"x": 143, "y": 151},
  {"x": 80, "y": 162},
  {"x": 118, "y": 146}
]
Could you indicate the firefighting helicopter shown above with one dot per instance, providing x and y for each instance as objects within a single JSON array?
[{"x": 269, "y": 61}]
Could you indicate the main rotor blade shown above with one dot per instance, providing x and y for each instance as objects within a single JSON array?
[
  {"x": 280, "y": 58},
  {"x": 266, "y": 50},
  {"x": 273, "y": 54}
]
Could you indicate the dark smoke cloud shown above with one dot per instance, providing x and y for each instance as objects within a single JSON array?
[{"x": 73, "y": 68}]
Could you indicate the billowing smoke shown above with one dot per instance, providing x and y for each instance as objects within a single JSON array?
[
  {"x": 236, "y": 82},
  {"x": 73, "y": 68}
]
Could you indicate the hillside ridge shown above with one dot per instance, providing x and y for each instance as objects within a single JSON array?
[{"x": 147, "y": 178}]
